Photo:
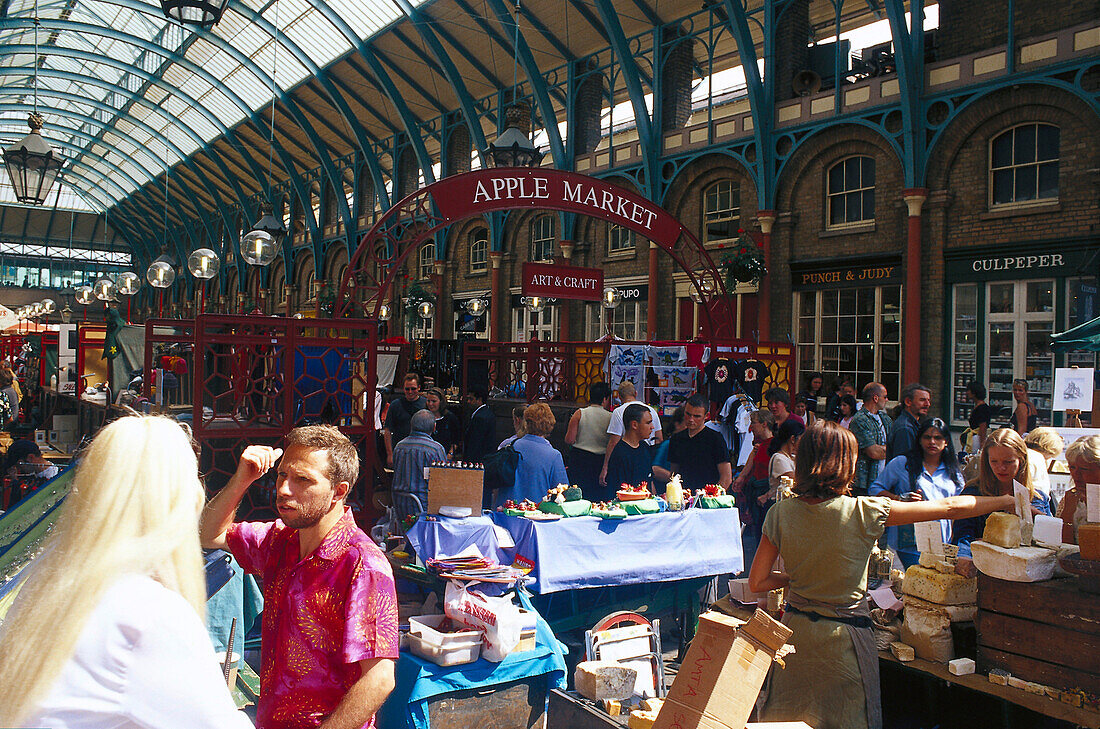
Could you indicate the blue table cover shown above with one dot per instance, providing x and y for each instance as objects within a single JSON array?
[
  {"x": 419, "y": 680},
  {"x": 432, "y": 536},
  {"x": 586, "y": 551}
]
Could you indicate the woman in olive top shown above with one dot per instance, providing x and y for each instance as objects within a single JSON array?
[{"x": 825, "y": 536}]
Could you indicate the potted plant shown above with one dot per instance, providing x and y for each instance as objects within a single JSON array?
[{"x": 743, "y": 262}]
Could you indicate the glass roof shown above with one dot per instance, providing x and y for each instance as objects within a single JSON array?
[{"x": 124, "y": 81}]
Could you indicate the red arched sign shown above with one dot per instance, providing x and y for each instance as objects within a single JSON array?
[{"x": 408, "y": 224}]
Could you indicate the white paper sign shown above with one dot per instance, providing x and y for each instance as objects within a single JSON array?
[
  {"x": 929, "y": 537},
  {"x": 1092, "y": 502},
  {"x": 1073, "y": 388}
]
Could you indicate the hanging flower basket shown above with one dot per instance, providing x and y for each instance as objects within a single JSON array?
[
  {"x": 744, "y": 263},
  {"x": 414, "y": 297}
]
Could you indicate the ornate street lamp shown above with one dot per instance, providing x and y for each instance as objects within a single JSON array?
[
  {"x": 513, "y": 149},
  {"x": 476, "y": 307}
]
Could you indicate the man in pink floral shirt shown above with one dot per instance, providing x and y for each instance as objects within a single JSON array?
[{"x": 329, "y": 634}]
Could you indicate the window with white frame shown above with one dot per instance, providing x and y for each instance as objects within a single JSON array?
[
  {"x": 426, "y": 261},
  {"x": 852, "y": 332},
  {"x": 479, "y": 251},
  {"x": 851, "y": 192},
  {"x": 626, "y": 321},
  {"x": 1023, "y": 164},
  {"x": 543, "y": 238},
  {"x": 620, "y": 240},
  {"x": 721, "y": 212}
]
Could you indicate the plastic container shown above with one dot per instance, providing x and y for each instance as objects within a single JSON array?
[
  {"x": 444, "y": 649},
  {"x": 453, "y": 654},
  {"x": 426, "y": 626}
]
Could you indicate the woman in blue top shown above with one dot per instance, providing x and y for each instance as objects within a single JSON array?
[
  {"x": 541, "y": 466},
  {"x": 928, "y": 472},
  {"x": 1004, "y": 460}
]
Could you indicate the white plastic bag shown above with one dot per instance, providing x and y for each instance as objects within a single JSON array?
[{"x": 497, "y": 618}]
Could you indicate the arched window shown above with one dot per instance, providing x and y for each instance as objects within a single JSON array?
[
  {"x": 619, "y": 240},
  {"x": 851, "y": 193},
  {"x": 1023, "y": 164},
  {"x": 543, "y": 238},
  {"x": 721, "y": 212},
  {"x": 479, "y": 251},
  {"x": 427, "y": 261}
]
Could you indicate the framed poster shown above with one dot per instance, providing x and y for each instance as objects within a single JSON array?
[{"x": 1073, "y": 388}]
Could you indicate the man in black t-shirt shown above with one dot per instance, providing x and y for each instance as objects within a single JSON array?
[
  {"x": 399, "y": 416},
  {"x": 631, "y": 460},
  {"x": 699, "y": 453}
]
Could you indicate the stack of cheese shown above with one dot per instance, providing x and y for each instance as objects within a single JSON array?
[
  {"x": 1005, "y": 550},
  {"x": 935, "y": 597}
]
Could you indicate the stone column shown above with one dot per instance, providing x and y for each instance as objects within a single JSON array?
[
  {"x": 766, "y": 218},
  {"x": 914, "y": 200},
  {"x": 495, "y": 294},
  {"x": 437, "y": 285},
  {"x": 651, "y": 300}
]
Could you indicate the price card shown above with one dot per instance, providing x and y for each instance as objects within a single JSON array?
[
  {"x": 929, "y": 537},
  {"x": 1023, "y": 501},
  {"x": 1092, "y": 500}
]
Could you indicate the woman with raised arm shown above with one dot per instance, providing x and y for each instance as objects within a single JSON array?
[{"x": 825, "y": 537}]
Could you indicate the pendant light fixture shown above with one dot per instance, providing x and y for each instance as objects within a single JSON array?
[
  {"x": 513, "y": 148},
  {"x": 32, "y": 164},
  {"x": 260, "y": 245},
  {"x": 199, "y": 13}
]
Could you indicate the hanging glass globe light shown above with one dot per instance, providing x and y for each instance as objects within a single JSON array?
[
  {"x": 160, "y": 274},
  {"x": 384, "y": 312},
  {"x": 203, "y": 263},
  {"x": 48, "y": 306},
  {"x": 476, "y": 307},
  {"x": 425, "y": 310},
  {"x": 612, "y": 297},
  {"x": 127, "y": 283},
  {"x": 84, "y": 295},
  {"x": 259, "y": 248},
  {"x": 535, "y": 304},
  {"x": 104, "y": 288},
  {"x": 702, "y": 292}
]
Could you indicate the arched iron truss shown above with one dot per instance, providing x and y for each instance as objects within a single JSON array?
[{"x": 435, "y": 68}]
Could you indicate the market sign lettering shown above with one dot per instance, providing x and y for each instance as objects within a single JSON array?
[
  {"x": 1011, "y": 263},
  {"x": 487, "y": 190},
  {"x": 563, "y": 282},
  {"x": 839, "y": 277}
]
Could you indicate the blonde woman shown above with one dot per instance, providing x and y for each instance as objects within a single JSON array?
[
  {"x": 1083, "y": 456},
  {"x": 107, "y": 630},
  {"x": 1043, "y": 446},
  {"x": 1003, "y": 461}
]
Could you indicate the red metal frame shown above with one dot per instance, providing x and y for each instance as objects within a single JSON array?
[
  {"x": 168, "y": 331},
  {"x": 565, "y": 370},
  {"x": 256, "y": 378}
]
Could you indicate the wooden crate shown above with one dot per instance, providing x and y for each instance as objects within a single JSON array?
[{"x": 1047, "y": 632}]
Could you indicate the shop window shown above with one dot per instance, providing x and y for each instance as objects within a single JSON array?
[
  {"x": 543, "y": 238},
  {"x": 1082, "y": 305},
  {"x": 1019, "y": 321},
  {"x": 426, "y": 261},
  {"x": 965, "y": 350},
  {"x": 625, "y": 321},
  {"x": 619, "y": 240},
  {"x": 851, "y": 192},
  {"x": 526, "y": 323},
  {"x": 852, "y": 332},
  {"x": 479, "y": 251},
  {"x": 721, "y": 212},
  {"x": 1024, "y": 164}
]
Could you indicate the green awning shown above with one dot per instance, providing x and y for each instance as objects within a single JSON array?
[{"x": 1082, "y": 338}]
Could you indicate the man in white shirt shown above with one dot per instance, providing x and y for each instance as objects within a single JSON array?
[{"x": 628, "y": 395}]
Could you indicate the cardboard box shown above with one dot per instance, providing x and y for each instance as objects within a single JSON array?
[
  {"x": 455, "y": 487},
  {"x": 722, "y": 673},
  {"x": 739, "y": 591}
]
